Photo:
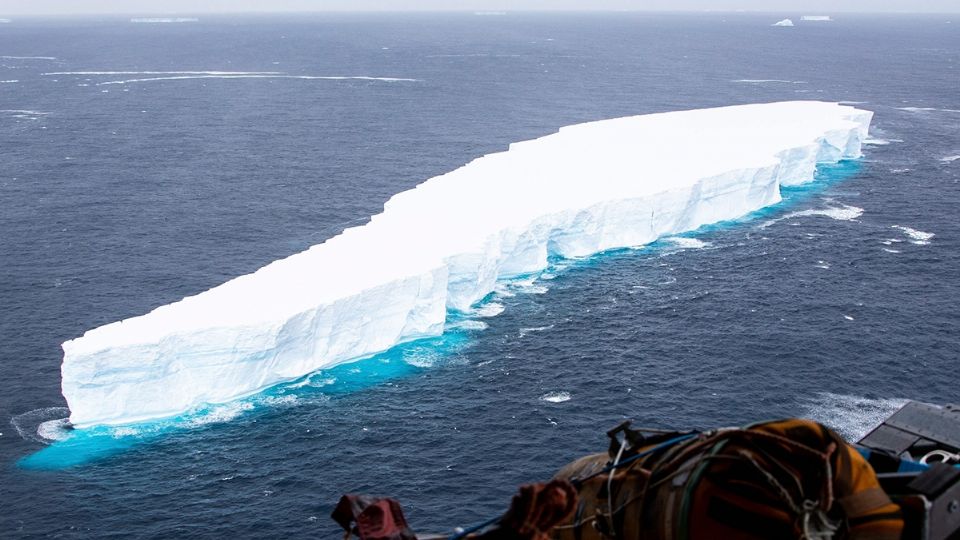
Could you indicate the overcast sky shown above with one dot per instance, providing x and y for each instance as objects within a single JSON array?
[{"x": 144, "y": 7}]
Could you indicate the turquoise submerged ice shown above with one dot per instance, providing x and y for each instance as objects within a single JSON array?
[{"x": 444, "y": 244}]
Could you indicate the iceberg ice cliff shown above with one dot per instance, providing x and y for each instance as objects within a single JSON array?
[{"x": 442, "y": 246}]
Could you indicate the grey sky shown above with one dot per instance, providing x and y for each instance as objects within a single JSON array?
[{"x": 146, "y": 7}]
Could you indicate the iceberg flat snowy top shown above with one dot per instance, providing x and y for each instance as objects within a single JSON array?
[{"x": 442, "y": 246}]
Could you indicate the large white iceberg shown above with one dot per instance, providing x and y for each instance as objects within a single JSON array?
[{"x": 442, "y": 246}]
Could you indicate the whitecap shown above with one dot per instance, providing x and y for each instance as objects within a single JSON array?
[
  {"x": 851, "y": 416},
  {"x": 302, "y": 77},
  {"x": 277, "y": 401},
  {"x": 468, "y": 325},
  {"x": 556, "y": 397},
  {"x": 28, "y": 57},
  {"x": 54, "y": 430},
  {"x": 926, "y": 109},
  {"x": 124, "y": 431},
  {"x": 687, "y": 243},
  {"x": 490, "y": 309},
  {"x": 919, "y": 238},
  {"x": 764, "y": 81},
  {"x": 876, "y": 142},
  {"x": 163, "y": 73},
  {"x": 844, "y": 212},
  {"x": 888, "y": 250},
  {"x": 950, "y": 159},
  {"x": 900, "y": 171},
  {"x": 44, "y": 425},
  {"x": 525, "y": 331},
  {"x": 10, "y": 81},
  {"x": 219, "y": 414}
]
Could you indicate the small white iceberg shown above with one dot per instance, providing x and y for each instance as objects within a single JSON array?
[
  {"x": 785, "y": 22},
  {"x": 820, "y": 18}
]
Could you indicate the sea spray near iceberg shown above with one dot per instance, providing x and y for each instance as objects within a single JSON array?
[{"x": 438, "y": 249}]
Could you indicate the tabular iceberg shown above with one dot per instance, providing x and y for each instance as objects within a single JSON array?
[{"x": 442, "y": 246}]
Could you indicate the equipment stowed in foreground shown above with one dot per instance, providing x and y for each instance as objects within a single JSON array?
[{"x": 781, "y": 479}]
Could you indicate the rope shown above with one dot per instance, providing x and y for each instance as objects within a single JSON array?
[{"x": 460, "y": 533}]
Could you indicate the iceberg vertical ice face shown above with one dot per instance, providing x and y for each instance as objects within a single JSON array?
[{"x": 443, "y": 245}]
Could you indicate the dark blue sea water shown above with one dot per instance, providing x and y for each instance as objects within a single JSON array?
[{"x": 119, "y": 194}]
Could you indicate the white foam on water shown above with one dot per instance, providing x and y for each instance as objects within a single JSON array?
[
  {"x": 766, "y": 81},
  {"x": 54, "y": 430},
  {"x": 888, "y": 250},
  {"x": 901, "y": 170},
  {"x": 525, "y": 331},
  {"x": 844, "y": 212},
  {"x": 280, "y": 401},
  {"x": 950, "y": 159},
  {"x": 919, "y": 238},
  {"x": 220, "y": 413},
  {"x": 926, "y": 109},
  {"x": 876, "y": 142},
  {"x": 44, "y": 426},
  {"x": 851, "y": 416},
  {"x": 822, "y": 264},
  {"x": 10, "y": 81},
  {"x": 687, "y": 243},
  {"x": 301, "y": 77},
  {"x": 469, "y": 325},
  {"x": 163, "y": 73},
  {"x": 490, "y": 309},
  {"x": 28, "y": 57},
  {"x": 167, "y": 20},
  {"x": 556, "y": 397}
]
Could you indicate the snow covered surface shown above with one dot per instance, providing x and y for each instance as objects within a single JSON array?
[{"x": 444, "y": 244}]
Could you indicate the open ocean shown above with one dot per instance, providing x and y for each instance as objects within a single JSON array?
[{"x": 140, "y": 163}]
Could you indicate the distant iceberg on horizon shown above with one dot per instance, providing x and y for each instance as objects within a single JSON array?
[
  {"x": 155, "y": 20},
  {"x": 443, "y": 245},
  {"x": 785, "y": 22},
  {"x": 820, "y": 18}
]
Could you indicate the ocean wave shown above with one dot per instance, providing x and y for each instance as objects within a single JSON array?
[
  {"x": 851, "y": 416},
  {"x": 10, "y": 81},
  {"x": 163, "y": 73},
  {"x": 525, "y": 331},
  {"x": 28, "y": 57},
  {"x": 687, "y": 243},
  {"x": 220, "y": 413},
  {"x": 949, "y": 159},
  {"x": 469, "y": 325},
  {"x": 926, "y": 109},
  {"x": 45, "y": 426},
  {"x": 919, "y": 238},
  {"x": 302, "y": 77},
  {"x": 764, "y": 81},
  {"x": 556, "y": 397},
  {"x": 844, "y": 212}
]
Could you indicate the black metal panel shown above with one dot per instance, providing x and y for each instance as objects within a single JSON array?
[
  {"x": 889, "y": 438},
  {"x": 935, "y": 423}
]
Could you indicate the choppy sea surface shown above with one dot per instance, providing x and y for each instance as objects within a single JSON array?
[{"x": 140, "y": 163}]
